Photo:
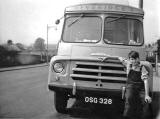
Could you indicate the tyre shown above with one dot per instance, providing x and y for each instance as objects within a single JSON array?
[{"x": 60, "y": 102}]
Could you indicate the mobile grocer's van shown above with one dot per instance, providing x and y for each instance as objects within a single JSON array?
[{"x": 91, "y": 32}]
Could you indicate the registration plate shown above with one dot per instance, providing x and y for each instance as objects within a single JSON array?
[{"x": 96, "y": 100}]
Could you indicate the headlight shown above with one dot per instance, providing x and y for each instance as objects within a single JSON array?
[{"x": 58, "y": 67}]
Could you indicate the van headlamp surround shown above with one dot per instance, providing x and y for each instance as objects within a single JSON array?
[{"x": 58, "y": 67}]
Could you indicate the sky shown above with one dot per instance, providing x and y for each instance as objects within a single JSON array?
[{"x": 25, "y": 20}]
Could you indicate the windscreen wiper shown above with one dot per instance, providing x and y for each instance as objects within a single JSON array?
[
  {"x": 116, "y": 19},
  {"x": 75, "y": 20}
]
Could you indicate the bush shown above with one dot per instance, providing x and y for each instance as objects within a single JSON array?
[
  {"x": 17, "y": 58},
  {"x": 7, "y": 58},
  {"x": 152, "y": 60},
  {"x": 2, "y": 54}
]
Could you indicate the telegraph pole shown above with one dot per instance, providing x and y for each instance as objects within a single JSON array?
[{"x": 47, "y": 43}]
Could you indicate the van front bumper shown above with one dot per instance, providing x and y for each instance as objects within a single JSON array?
[{"x": 80, "y": 90}]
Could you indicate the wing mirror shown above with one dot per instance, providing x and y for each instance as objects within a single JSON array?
[{"x": 57, "y": 21}]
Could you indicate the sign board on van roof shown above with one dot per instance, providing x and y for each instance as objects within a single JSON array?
[
  {"x": 104, "y": 7},
  {"x": 133, "y": 3}
]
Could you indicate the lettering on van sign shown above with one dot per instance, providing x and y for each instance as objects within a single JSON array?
[{"x": 105, "y": 7}]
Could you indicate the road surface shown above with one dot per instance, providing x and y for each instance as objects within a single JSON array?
[{"x": 24, "y": 95}]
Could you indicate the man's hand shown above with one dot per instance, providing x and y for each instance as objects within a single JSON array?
[
  {"x": 148, "y": 99},
  {"x": 121, "y": 59}
]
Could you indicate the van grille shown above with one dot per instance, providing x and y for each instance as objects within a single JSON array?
[{"x": 108, "y": 71}]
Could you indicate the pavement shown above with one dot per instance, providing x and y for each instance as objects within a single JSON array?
[{"x": 22, "y": 67}]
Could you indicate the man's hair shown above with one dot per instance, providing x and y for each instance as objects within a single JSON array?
[{"x": 133, "y": 54}]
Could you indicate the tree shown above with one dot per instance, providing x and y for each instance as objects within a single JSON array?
[
  {"x": 158, "y": 48},
  {"x": 9, "y": 53},
  {"x": 40, "y": 46},
  {"x": 149, "y": 45},
  {"x": 21, "y": 46},
  {"x": 10, "y": 42},
  {"x": 11, "y": 46}
]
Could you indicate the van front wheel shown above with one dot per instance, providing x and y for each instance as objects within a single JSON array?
[{"x": 60, "y": 102}]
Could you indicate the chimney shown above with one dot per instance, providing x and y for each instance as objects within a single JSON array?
[{"x": 141, "y": 4}]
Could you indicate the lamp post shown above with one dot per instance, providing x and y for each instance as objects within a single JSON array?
[{"x": 48, "y": 27}]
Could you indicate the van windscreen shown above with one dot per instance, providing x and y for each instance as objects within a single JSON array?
[
  {"x": 82, "y": 29},
  {"x": 123, "y": 31}
]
